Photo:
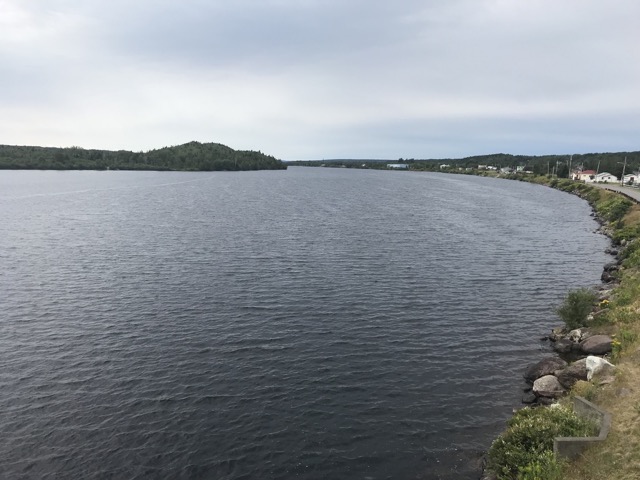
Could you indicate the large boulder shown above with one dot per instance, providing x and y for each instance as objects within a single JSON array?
[
  {"x": 574, "y": 372},
  {"x": 563, "y": 345},
  {"x": 596, "y": 345},
  {"x": 611, "y": 267},
  {"x": 546, "y": 366},
  {"x": 548, "y": 386},
  {"x": 557, "y": 333},
  {"x": 598, "y": 366}
]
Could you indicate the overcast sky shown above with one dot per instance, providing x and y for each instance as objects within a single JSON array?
[{"x": 313, "y": 79}]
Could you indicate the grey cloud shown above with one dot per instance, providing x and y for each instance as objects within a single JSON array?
[
  {"x": 302, "y": 78},
  {"x": 256, "y": 34}
]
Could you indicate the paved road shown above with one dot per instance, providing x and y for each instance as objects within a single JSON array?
[{"x": 632, "y": 193}]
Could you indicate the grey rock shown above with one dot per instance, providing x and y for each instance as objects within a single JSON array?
[
  {"x": 548, "y": 386},
  {"x": 529, "y": 398},
  {"x": 546, "y": 366},
  {"x": 586, "y": 333},
  {"x": 574, "y": 372},
  {"x": 596, "y": 345},
  {"x": 623, "y": 392},
  {"x": 607, "y": 380},
  {"x": 563, "y": 345},
  {"x": 557, "y": 333},
  {"x": 575, "y": 348},
  {"x": 575, "y": 335},
  {"x": 598, "y": 366},
  {"x": 611, "y": 267}
]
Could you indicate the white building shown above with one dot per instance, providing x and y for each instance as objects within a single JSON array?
[
  {"x": 586, "y": 176},
  {"x": 605, "y": 177}
]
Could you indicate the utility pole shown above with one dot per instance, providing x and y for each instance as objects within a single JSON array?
[
  {"x": 570, "y": 160},
  {"x": 624, "y": 167}
]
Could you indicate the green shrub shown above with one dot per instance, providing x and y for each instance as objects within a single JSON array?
[
  {"x": 584, "y": 389},
  {"x": 624, "y": 340},
  {"x": 526, "y": 447},
  {"x": 627, "y": 233},
  {"x": 592, "y": 195},
  {"x": 604, "y": 317},
  {"x": 582, "y": 187},
  {"x": 545, "y": 467},
  {"x": 630, "y": 250},
  {"x": 566, "y": 185},
  {"x": 626, "y": 294},
  {"x": 576, "y": 307},
  {"x": 614, "y": 208}
]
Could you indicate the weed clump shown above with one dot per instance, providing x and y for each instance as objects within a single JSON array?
[
  {"x": 614, "y": 208},
  {"x": 576, "y": 307},
  {"x": 525, "y": 449}
]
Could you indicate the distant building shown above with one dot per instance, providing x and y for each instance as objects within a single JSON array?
[
  {"x": 397, "y": 166},
  {"x": 586, "y": 176},
  {"x": 445, "y": 165},
  {"x": 630, "y": 179},
  {"x": 605, "y": 177},
  {"x": 487, "y": 167}
]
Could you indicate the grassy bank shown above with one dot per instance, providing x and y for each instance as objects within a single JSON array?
[{"x": 619, "y": 456}]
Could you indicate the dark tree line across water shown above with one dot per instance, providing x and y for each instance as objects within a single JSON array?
[
  {"x": 545, "y": 164},
  {"x": 194, "y": 156}
]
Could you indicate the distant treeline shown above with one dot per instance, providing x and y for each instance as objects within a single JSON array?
[
  {"x": 541, "y": 165},
  {"x": 190, "y": 156}
]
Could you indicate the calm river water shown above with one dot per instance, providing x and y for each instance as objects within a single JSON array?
[{"x": 308, "y": 323}]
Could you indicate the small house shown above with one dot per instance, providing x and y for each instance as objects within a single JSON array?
[
  {"x": 605, "y": 177},
  {"x": 586, "y": 176}
]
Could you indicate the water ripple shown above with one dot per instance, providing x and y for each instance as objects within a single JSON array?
[{"x": 313, "y": 323}]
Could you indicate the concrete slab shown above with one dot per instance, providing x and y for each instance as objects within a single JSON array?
[{"x": 571, "y": 447}]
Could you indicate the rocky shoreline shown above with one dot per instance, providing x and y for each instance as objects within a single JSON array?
[{"x": 580, "y": 354}]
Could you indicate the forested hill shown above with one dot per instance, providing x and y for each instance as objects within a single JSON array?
[{"x": 190, "y": 156}]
